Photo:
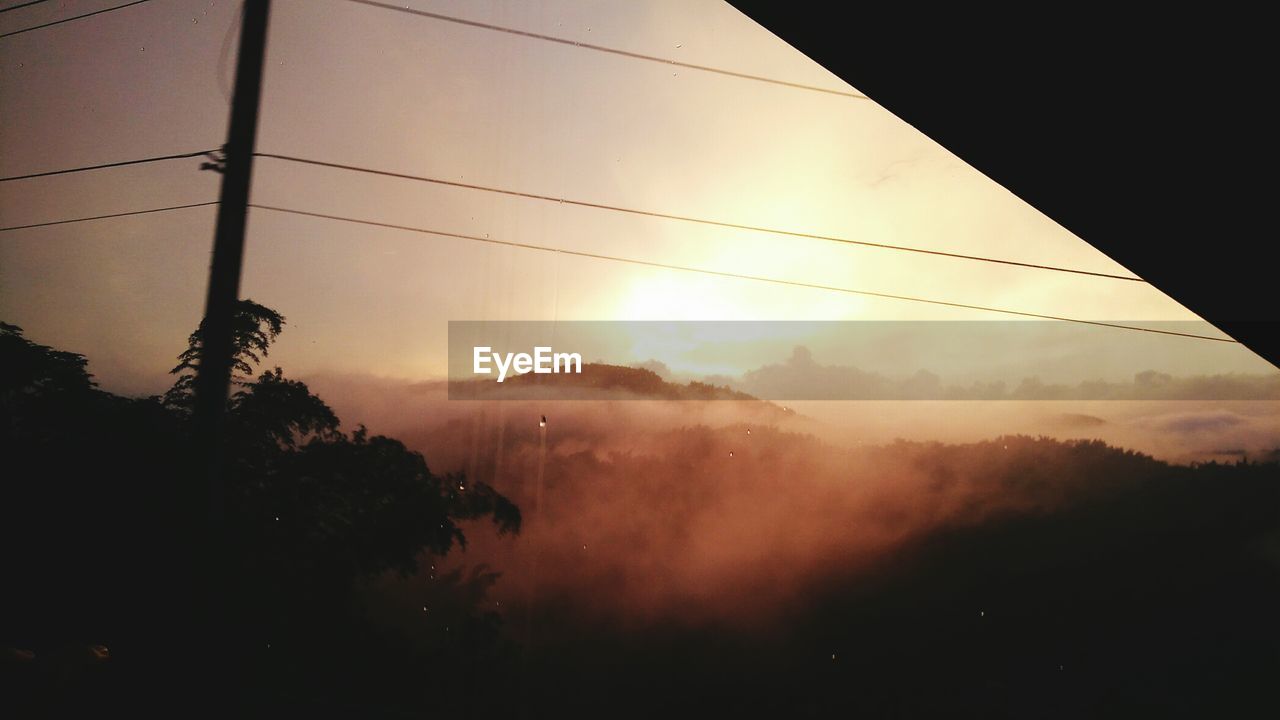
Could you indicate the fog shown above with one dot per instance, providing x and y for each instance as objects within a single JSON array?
[{"x": 730, "y": 514}]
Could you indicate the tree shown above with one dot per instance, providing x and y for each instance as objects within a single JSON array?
[
  {"x": 316, "y": 513},
  {"x": 101, "y": 515},
  {"x": 32, "y": 369},
  {"x": 254, "y": 327},
  {"x": 281, "y": 437}
]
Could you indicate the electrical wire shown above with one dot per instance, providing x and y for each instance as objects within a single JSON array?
[
  {"x": 104, "y": 217},
  {"x": 22, "y": 5},
  {"x": 70, "y": 19},
  {"x": 122, "y": 163},
  {"x": 604, "y": 49},
  {"x": 700, "y": 221},
  {"x": 738, "y": 276}
]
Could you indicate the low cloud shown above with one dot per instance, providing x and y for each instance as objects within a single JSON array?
[{"x": 802, "y": 377}]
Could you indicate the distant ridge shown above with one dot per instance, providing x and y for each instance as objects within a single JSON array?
[{"x": 597, "y": 381}]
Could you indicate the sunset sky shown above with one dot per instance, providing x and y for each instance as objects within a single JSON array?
[
  {"x": 854, "y": 430},
  {"x": 358, "y": 85}
]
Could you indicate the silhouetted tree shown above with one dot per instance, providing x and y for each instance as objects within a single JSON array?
[
  {"x": 32, "y": 369},
  {"x": 317, "y": 513},
  {"x": 102, "y": 512},
  {"x": 253, "y": 328}
]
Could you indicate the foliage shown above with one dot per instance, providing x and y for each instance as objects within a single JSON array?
[
  {"x": 253, "y": 328},
  {"x": 36, "y": 369},
  {"x": 313, "y": 514}
]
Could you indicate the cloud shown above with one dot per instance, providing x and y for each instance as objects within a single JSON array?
[
  {"x": 802, "y": 377},
  {"x": 1191, "y": 423}
]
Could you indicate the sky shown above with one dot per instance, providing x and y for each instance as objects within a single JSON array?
[
  {"x": 642, "y": 516},
  {"x": 353, "y": 84}
]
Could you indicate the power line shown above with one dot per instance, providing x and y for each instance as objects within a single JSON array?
[
  {"x": 19, "y": 7},
  {"x": 602, "y": 48},
  {"x": 77, "y": 17},
  {"x": 122, "y": 163},
  {"x": 700, "y": 221},
  {"x": 737, "y": 276},
  {"x": 104, "y": 217}
]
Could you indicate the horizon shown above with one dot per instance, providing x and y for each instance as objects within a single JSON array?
[{"x": 570, "y": 357}]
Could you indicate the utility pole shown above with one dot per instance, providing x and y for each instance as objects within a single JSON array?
[{"x": 213, "y": 378}]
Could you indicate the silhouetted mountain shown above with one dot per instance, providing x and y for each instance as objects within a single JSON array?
[
  {"x": 801, "y": 377},
  {"x": 597, "y": 381}
]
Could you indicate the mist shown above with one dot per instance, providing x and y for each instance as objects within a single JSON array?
[{"x": 730, "y": 514}]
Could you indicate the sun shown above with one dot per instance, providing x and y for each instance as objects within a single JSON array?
[{"x": 672, "y": 295}]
